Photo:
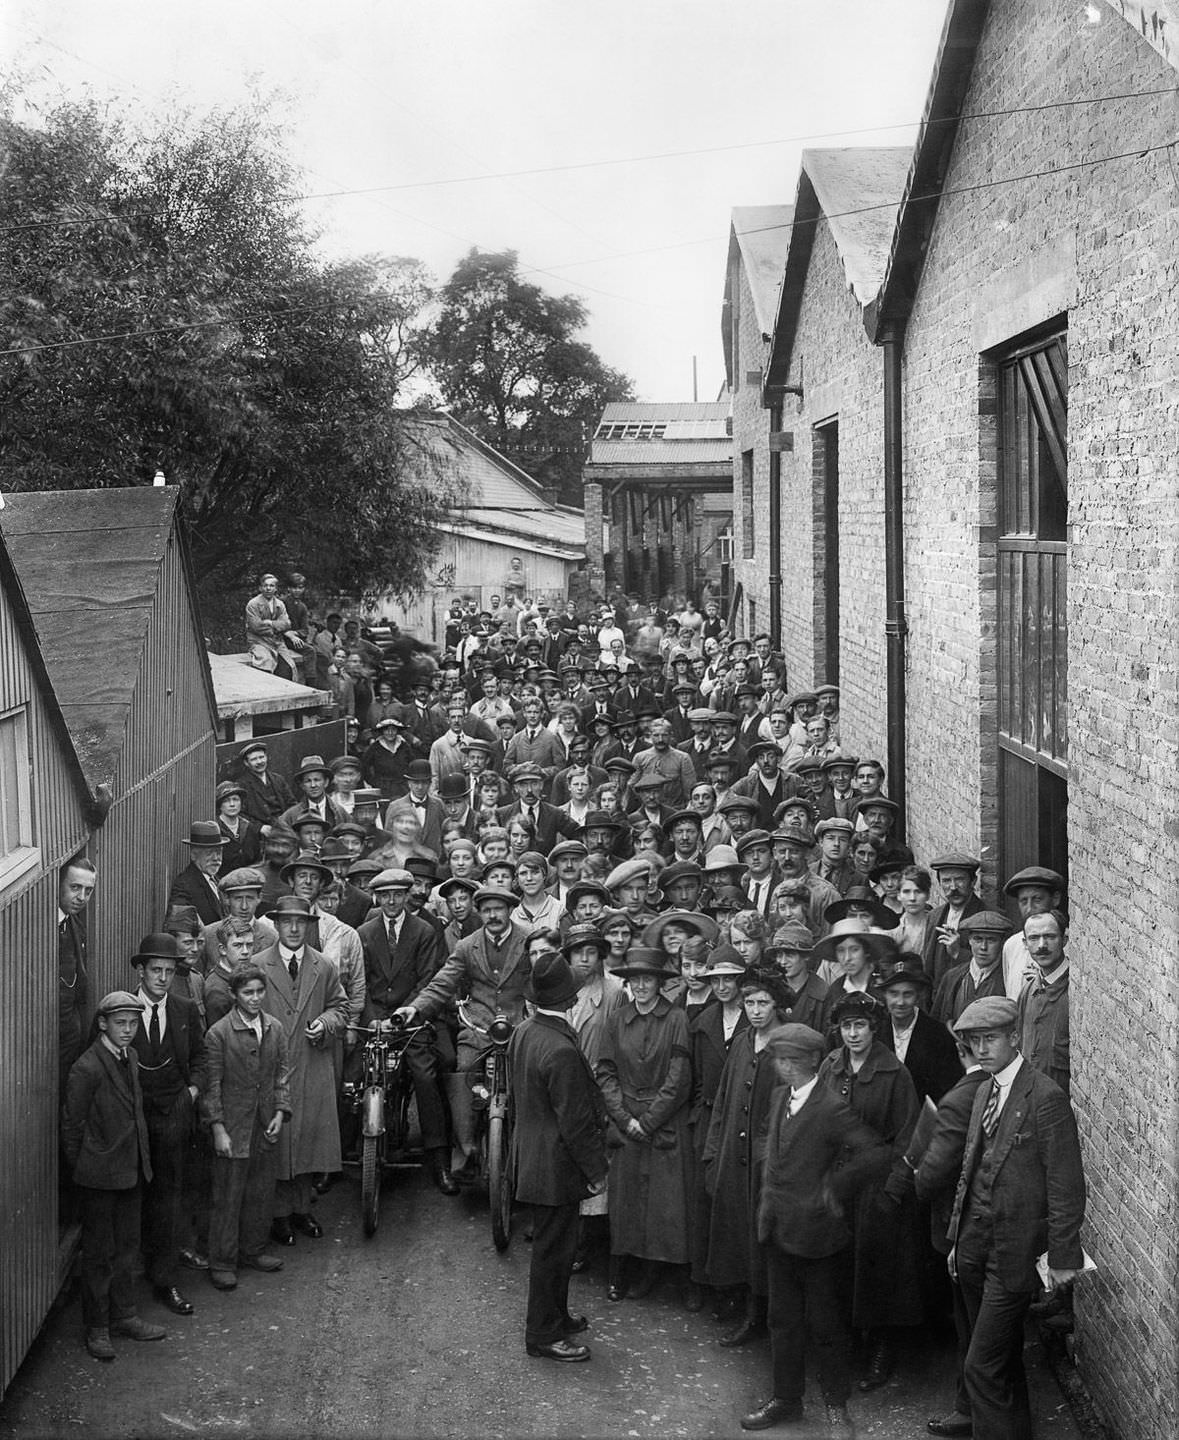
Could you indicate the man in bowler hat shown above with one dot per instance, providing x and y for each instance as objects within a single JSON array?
[{"x": 558, "y": 1153}]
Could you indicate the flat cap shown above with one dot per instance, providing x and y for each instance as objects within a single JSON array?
[
  {"x": 985, "y": 922},
  {"x": 680, "y": 870},
  {"x": 724, "y": 717},
  {"x": 391, "y": 880},
  {"x": 243, "y": 878},
  {"x": 751, "y": 837},
  {"x": 794, "y": 834},
  {"x": 648, "y": 781},
  {"x": 118, "y": 1000},
  {"x": 763, "y": 747},
  {"x": 834, "y": 826},
  {"x": 837, "y": 758},
  {"x": 737, "y": 802},
  {"x": 568, "y": 847},
  {"x": 525, "y": 771},
  {"x": 626, "y": 872},
  {"x": 1034, "y": 875},
  {"x": 796, "y": 1042},
  {"x": 496, "y": 892},
  {"x": 955, "y": 860},
  {"x": 995, "y": 1012}
]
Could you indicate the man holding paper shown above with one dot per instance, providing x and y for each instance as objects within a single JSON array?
[{"x": 1021, "y": 1192}]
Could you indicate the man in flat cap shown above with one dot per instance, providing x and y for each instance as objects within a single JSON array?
[
  {"x": 672, "y": 766},
  {"x": 817, "y": 1156},
  {"x": 956, "y": 874},
  {"x": 833, "y": 862},
  {"x": 981, "y": 975},
  {"x": 549, "y": 823},
  {"x": 767, "y": 783},
  {"x": 1035, "y": 890},
  {"x": 1043, "y": 1002},
  {"x": 1021, "y": 1192}
]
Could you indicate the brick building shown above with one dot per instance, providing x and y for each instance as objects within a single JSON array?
[
  {"x": 1011, "y": 496},
  {"x": 823, "y": 375},
  {"x": 758, "y": 238},
  {"x": 658, "y": 498}
]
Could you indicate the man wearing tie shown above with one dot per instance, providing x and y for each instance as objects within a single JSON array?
[
  {"x": 169, "y": 1045},
  {"x": 755, "y": 851},
  {"x": 402, "y": 953},
  {"x": 303, "y": 991},
  {"x": 312, "y": 778},
  {"x": 1021, "y": 1192},
  {"x": 196, "y": 885},
  {"x": 548, "y": 822},
  {"x": 427, "y": 807}
]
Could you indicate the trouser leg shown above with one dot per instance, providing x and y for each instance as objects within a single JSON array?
[
  {"x": 257, "y": 1202},
  {"x": 993, "y": 1369},
  {"x": 168, "y": 1138},
  {"x": 554, "y": 1244},
  {"x": 828, "y": 1329},
  {"x": 293, "y": 1196},
  {"x": 229, "y": 1188},
  {"x": 422, "y": 1060},
  {"x": 787, "y": 1318},
  {"x": 97, "y": 1213}
]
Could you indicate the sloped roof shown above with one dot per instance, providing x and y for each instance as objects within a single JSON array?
[
  {"x": 89, "y": 563},
  {"x": 693, "y": 432},
  {"x": 857, "y": 192},
  {"x": 1157, "y": 21},
  {"x": 620, "y": 411},
  {"x": 762, "y": 234},
  {"x": 490, "y": 494},
  {"x": 243, "y": 689}
]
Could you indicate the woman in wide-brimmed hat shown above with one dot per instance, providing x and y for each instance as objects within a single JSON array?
[
  {"x": 886, "y": 1281},
  {"x": 850, "y": 954},
  {"x": 644, "y": 1071}
]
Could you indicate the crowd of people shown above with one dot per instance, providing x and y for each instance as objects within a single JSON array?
[{"x": 791, "y": 1066}]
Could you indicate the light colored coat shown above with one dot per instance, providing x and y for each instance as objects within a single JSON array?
[{"x": 243, "y": 1080}]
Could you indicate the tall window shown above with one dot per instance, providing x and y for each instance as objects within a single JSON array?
[
  {"x": 825, "y": 473},
  {"x": 18, "y": 851},
  {"x": 747, "y": 504},
  {"x": 1032, "y": 616}
]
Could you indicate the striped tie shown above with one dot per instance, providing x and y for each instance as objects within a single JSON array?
[{"x": 990, "y": 1116}]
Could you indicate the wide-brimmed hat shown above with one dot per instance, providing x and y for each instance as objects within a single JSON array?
[
  {"x": 306, "y": 860},
  {"x": 881, "y": 947},
  {"x": 159, "y": 945},
  {"x": 312, "y": 763},
  {"x": 704, "y": 925},
  {"x": 643, "y": 960},
  {"x": 206, "y": 833},
  {"x": 288, "y": 906}
]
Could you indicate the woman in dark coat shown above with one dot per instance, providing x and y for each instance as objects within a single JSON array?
[
  {"x": 885, "y": 1284},
  {"x": 711, "y": 1032},
  {"x": 645, "y": 1074},
  {"x": 732, "y": 1167}
]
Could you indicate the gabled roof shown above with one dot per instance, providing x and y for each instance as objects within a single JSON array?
[
  {"x": 761, "y": 233},
  {"x": 931, "y": 157},
  {"x": 491, "y": 495},
  {"x": 89, "y": 563},
  {"x": 1157, "y": 21},
  {"x": 857, "y": 192}
]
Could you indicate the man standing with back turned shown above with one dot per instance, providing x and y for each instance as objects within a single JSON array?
[{"x": 558, "y": 1153}]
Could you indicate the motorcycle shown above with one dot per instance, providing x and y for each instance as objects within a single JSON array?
[
  {"x": 491, "y": 1095},
  {"x": 382, "y": 1098}
]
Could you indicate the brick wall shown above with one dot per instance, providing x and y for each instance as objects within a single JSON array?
[
  {"x": 841, "y": 376},
  {"x": 751, "y": 429},
  {"x": 1098, "y": 244}
]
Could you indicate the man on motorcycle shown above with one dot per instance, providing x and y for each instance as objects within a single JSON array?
[{"x": 491, "y": 970}]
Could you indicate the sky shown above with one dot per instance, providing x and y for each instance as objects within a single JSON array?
[{"x": 642, "y": 122}]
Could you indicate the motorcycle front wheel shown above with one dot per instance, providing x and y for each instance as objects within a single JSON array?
[
  {"x": 370, "y": 1183},
  {"x": 499, "y": 1183}
]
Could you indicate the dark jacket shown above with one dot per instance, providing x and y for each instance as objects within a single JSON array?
[
  {"x": 392, "y": 980},
  {"x": 931, "y": 1059},
  {"x": 551, "y": 824},
  {"x": 937, "y": 1171},
  {"x": 183, "y": 1044},
  {"x": 935, "y": 958},
  {"x": 802, "y": 1195},
  {"x": 558, "y": 1149},
  {"x": 264, "y": 801},
  {"x": 103, "y": 1132},
  {"x": 1032, "y": 1172},
  {"x": 191, "y": 887}
]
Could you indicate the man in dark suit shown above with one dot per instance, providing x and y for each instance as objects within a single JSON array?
[
  {"x": 169, "y": 1044},
  {"x": 104, "y": 1140},
  {"x": 936, "y": 1176},
  {"x": 1021, "y": 1192},
  {"x": 558, "y": 1153},
  {"x": 402, "y": 953},
  {"x": 955, "y": 874},
  {"x": 74, "y": 889},
  {"x": 426, "y": 806},
  {"x": 632, "y": 694},
  {"x": 549, "y": 823},
  {"x": 817, "y": 1155},
  {"x": 196, "y": 885},
  {"x": 978, "y": 976},
  {"x": 267, "y": 794},
  {"x": 925, "y": 1048}
]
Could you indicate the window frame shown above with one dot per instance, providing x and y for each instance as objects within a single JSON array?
[{"x": 24, "y": 856}]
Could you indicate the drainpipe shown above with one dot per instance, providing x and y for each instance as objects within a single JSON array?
[
  {"x": 775, "y": 529},
  {"x": 896, "y": 627}
]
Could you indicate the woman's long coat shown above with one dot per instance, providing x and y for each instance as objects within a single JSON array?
[
  {"x": 644, "y": 1072},
  {"x": 706, "y": 1031},
  {"x": 732, "y": 1168},
  {"x": 886, "y": 1247}
]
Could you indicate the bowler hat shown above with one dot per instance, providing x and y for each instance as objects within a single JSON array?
[
  {"x": 158, "y": 946},
  {"x": 452, "y": 787},
  {"x": 205, "y": 833},
  {"x": 287, "y": 906},
  {"x": 552, "y": 984},
  {"x": 118, "y": 1000},
  {"x": 419, "y": 770}
]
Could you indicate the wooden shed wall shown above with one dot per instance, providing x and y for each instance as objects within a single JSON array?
[
  {"x": 28, "y": 1021},
  {"x": 164, "y": 780}
]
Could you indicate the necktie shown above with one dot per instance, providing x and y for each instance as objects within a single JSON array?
[
  {"x": 990, "y": 1117},
  {"x": 153, "y": 1030},
  {"x": 293, "y": 968},
  {"x": 123, "y": 1057}
]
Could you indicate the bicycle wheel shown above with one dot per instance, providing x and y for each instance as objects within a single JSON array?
[
  {"x": 499, "y": 1181},
  {"x": 370, "y": 1184}
]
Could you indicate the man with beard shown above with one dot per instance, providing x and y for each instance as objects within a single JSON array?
[{"x": 196, "y": 885}]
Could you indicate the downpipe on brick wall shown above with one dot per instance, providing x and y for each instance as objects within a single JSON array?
[{"x": 896, "y": 626}]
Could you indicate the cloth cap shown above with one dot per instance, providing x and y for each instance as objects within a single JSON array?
[
  {"x": 839, "y": 758},
  {"x": 955, "y": 860},
  {"x": 290, "y": 905},
  {"x": 680, "y": 870},
  {"x": 791, "y": 937},
  {"x": 627, "y": 871},
  {"x": 118, "y": 1000},
  {"x": 834, "y": 826},
  {"x": 568, "y": 847},
  {"x": 242, "y": 878},
  {"x": 495, "y": 892},
  {"x": 985, "y": 922},
  {"x": 582, "y": 889},
  {"x": 752, "y": 837},
  {"x": 526, "y": 771},
  {"x": 995, "y": 1012},
  {"x": 1034, "y": 875},
  {"x": 586, "y": 934},
  {"x": 795, "y": 1042},
  {"x": 905, "y": 972},
  {"x": 457, "y": 882}
]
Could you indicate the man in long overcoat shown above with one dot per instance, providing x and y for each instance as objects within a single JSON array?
[
  {"x": 558, "y": 1153},
  {"x": 303, "y": 991}
]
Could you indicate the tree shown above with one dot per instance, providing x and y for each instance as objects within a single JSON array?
[
  {"x": 261, "y": 378},
  {"x": 506, "y": 358}
]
